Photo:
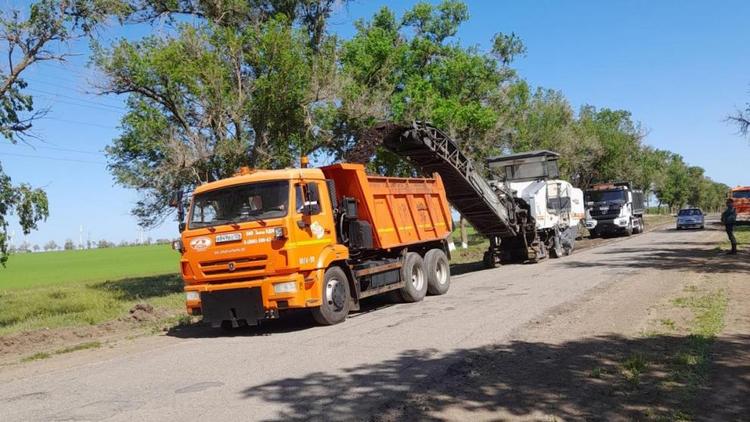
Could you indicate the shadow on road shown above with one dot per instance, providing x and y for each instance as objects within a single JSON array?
[
  {"x": 694, "y": 258},
  {"x": 600, "y": 378},
  {"x": 290, "y": 321}
]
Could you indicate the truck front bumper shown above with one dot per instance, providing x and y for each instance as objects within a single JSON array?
[
  {"x": 252, "y": 300},
  {"x": 609, "y": 226}
]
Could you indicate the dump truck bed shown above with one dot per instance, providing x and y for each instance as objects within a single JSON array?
[{"x": 402, "y": 211}]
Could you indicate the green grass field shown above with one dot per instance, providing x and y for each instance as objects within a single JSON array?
[
  {"x": 74, "y": 288},
  {"x": 63, "y": 267}
]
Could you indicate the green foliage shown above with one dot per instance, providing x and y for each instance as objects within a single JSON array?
[
  {"x": 29, "y": 204},
  {"x": 217, "y": 95},
  {"x": 26, "y": 38},
  {"x": 260, "y": 83}
]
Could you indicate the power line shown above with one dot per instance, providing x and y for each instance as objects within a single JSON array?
[
  {"x": 78, "y": 151},
  {"x": 82, "y": 100},
  {"x": 73, "y": 160},
  {"x": 75, "y": 122},
  {"x": 75, "y": 104},
  {"x": 72, "y": 89}
]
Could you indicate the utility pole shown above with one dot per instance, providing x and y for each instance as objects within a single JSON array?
[{"x": 80, "y": 237}]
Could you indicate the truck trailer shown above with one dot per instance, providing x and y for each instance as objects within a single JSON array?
[
  {"x": 267, "y": 241},
  {"x": 614, "y": 208}
]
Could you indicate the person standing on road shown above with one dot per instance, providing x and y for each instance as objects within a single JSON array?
[{"x": 729, "y": 217}]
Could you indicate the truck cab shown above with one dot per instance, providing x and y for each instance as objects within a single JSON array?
[
  {"x": 265, "y": 234},
  {"x": 614, "y": 208}
]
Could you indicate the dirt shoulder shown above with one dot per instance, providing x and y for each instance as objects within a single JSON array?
[
  {"x": 142, "y": 320},
  {"x": 659, "y": 344}
]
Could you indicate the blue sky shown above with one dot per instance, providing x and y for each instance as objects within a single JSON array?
[{"x": 679, "y": 66}]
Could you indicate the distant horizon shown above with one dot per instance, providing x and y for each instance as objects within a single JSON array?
[{"x": 679, "y": 67}]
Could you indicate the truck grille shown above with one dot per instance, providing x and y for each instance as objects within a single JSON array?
[
  {"x": 612, "y": 212},
  {"x": 241, "y": 266}
]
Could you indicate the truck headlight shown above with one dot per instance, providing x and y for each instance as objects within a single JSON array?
[
  {"x": 286, "y": 287},
  {"x": 621, "y": 221},
  {"x": 192, "y": 296}
]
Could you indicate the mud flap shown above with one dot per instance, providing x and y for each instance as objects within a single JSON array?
[{"x": 232, "y": 305}]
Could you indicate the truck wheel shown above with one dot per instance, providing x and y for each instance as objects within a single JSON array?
[
  {"x": 412, "y": 272},
  {"x": 638, "y": 229},
  {"x": 489, "y": 260},
  {"x": 557, "y": 249},
  {"x": 336, "y": 303},
  {"x": 629, "y": 229},
  {"x": 438, "y": 271}
]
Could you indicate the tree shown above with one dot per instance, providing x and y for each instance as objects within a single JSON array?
[
  {"x": 29, "y": 204},
  {"x": 50, "y": 246},
  {"x": 36, "y": 248},
  {"x": 674, "y": 189},
  {"x": 413, "y": 69},
  {"x": 102, "y": 244},
  {"x": 742, "y": 119},
  {"x": 29, "y": 38},
  {"x": 69, "y": 245},
  {"x": 237, "y": 88}
]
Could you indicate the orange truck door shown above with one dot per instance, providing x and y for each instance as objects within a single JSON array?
[{"x": 312, "y": 232}]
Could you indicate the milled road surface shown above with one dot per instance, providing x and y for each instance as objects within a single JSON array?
[{"x": 292, "y": 370}]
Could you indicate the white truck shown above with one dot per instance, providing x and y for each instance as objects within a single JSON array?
[
  {"x": 614, "y": 208},
  {"x": 554, "y": 204}
]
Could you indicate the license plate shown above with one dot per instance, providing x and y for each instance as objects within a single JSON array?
[{"x": 231, "y": 237}]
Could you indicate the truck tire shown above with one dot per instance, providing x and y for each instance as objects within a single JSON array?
[
  {"x": 438, "y": 271},
  {"x": 336, "y": 303},
  {"x": 556, "y": 251},
  {"x": 412, "y": 272},
  {"x": 489, "y": 260},
  {"x": 629, "y": 228},
  {"x": 638, "y": 227}
]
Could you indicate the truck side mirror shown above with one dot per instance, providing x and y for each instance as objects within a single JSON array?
[
  {"x": 175, "y": 201},
  {"x": 312, "y": 199}
]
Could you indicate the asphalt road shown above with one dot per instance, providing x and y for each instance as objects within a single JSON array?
[{"x": 291, "y": 369}]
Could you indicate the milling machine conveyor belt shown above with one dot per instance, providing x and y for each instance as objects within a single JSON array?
[{"x": 432, "y": 151}]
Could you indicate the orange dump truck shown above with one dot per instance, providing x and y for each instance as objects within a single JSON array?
[
  {"x": 263, "y": 242},
  {"x": 741, "y": 200}
]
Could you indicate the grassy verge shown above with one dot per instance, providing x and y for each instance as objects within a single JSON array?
[
  {"x": 676, "y": 367},
  {"x": 658, "y": 219},
  {"x": 85, "y": 303},
  {"x": 77, "y": 347},
  {"x": 689, "y": 364},
  {"x": 742, "y": 233},
  {"x": 79, "y": 288}
]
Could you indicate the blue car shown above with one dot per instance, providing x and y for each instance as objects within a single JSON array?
[{"x": 690, "y": 218}]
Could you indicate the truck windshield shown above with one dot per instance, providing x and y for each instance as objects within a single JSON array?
[
  {"x": 255, "y": 201},
  {"x": 605, "y": 196},
  {"x": 741, "y": 194}
]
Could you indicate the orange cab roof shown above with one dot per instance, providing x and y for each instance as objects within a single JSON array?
[
  {"x": 741, "y": 188},
  {"x": 262, "y": 176}
]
